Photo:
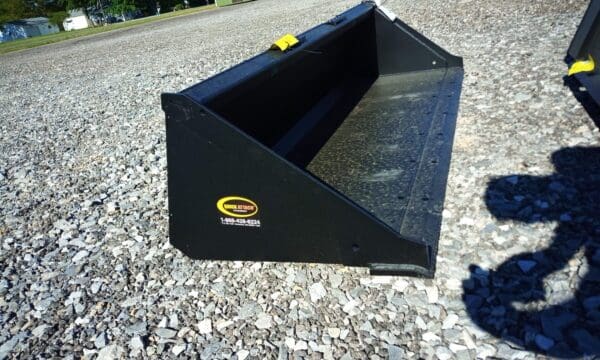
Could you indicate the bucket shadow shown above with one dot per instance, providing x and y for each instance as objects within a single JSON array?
[{"x": 509, "y": 302}]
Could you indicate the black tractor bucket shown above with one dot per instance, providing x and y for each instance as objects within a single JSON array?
[
  {"x": 584, "y": 52},
  {"x": 336, "y": 150}
]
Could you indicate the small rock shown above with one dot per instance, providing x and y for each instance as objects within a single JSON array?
[
  {"x": 526, "y": 265},
  {"x": 554, "y": 324},
  {"x": 263, "y": 321},
  {"x": 543, "y": 342},
  {"x": 87, "y": 354},
  {"x": 178, "y": 349},
  {"x": 420, "y": 323},
  {"x": 248, "y": 310},
  {"x": 349, "y": 307},
  {"x": 166, "y": 333},
  {"x": 40, "y": 330},
  {"x": 136, "y": 342},
  {"x": 326, "y": 350},
  {"x": 112, "y": 207},
  {"x": 96, "y": 287},
  {"x": 301, "y": 345},
  {"x": 290, "y": 342},
  {"x": 222, "y": 324},
  {"x": 453, "y": 284},
  {"x": 556, "y": 186},
  {"x": 164, "y": 322},
  {"x": 366, "y": 326},
  {"x": 565, "y": 217},
  {"x": 473, "y": 301},
  {"x": 205, "y": 326},
  {"x": 450, "y": 321},
  {"x": 498, "y": 311},
  {"x": 7, "y": 347},
  {"x": 432, "y": 294},
  {"x": 468, "y": 339},
  {"x": 335, "y": 280},
  {"x": 139, "y": 328},
  {"x": 334, "y": 332},
  {"x": 395, "y": 353},
  {"x": 110, "y": 352},
  {"x": 513, "y": 179},
  {"x": 79, "y": 308},
  {"x": 400, "y": 285},
  {"x": 317, "y": 291},
  {"x": 443, "y": 353},
  {"x": 586, "y": 341},
  {"x": 79, "y": 256},
  {"x": 134, "y": 301},
  {"x": 520, "y": 97},
  {"x": 467, "y": 221},
  {"x": 431, "y": 337},
  {"x": 485, "y": 351},
  {"x": 463, "y": 355},
  {"x": 591, "y": 303},
  {"x": 174, "y": 321},
  {"x": 242, "y": 354},
  {"x": 100, "y": 340},
  {"x": 455, "y": 348}
]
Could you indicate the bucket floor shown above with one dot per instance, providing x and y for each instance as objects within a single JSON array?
[{"x": 392, "y": 153}]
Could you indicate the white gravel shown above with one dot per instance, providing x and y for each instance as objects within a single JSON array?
[{"x": 83, "y": 201}]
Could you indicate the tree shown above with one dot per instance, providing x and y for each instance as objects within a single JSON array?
[
  {"x": 77, "y": 4},
  {"x": 17, "y": 9},
  {"x": 148, "y": 7},
  {"x": 122, "y": 6},
  {"x": 57, "y": 17}
]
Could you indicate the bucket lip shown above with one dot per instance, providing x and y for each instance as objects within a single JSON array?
[
  {"x": 262, "y": 63},
  {"x": 402, "y": 269}
]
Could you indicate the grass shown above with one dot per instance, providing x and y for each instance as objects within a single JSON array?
[{"x": 23, "y": 44}]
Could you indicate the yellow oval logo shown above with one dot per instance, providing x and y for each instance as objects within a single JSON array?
[{"x": 237, "y": 206}]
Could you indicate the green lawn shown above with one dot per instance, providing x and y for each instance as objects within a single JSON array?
[{"x": 65, "y": 35}]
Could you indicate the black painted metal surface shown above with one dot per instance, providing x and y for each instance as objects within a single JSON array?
[
  {"x": 396, "y": 148},
  {"x": 587, "y": 42},
  {"x": 336, "y": 151}
]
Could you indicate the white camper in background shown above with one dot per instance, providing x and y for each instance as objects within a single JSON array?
[{"x": 76, "y": 21}]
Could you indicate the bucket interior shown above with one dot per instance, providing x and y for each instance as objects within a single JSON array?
[
  {"x": 295, "y": 107},
  {"x": 360, "y": 109}
]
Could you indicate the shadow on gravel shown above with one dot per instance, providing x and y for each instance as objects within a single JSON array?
[{"x": 509, "y": 302}]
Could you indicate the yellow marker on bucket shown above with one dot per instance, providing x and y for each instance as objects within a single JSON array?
[
  {"x": 582, "y": 66},
  {"x": 285, "y": 42}
]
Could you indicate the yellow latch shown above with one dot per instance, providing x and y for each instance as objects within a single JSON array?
[
  {"x": 582, "y": 66},
  {"x": 285, "y": 42}
]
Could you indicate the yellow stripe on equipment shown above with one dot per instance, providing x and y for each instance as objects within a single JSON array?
[
  {"x": 285, "y": 42},
  {"x": 582, "y": 66}
]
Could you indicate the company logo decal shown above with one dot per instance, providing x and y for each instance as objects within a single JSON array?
[
  {"x": 237, "y": 207},
  {"x": 237, "y": 211}
]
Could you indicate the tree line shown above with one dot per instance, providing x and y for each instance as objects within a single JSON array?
[{"x": 57, "y": 10}]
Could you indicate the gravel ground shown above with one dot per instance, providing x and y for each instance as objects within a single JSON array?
[{"x": 87, "y": 270}]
